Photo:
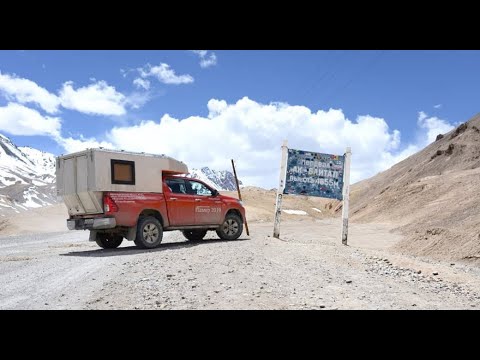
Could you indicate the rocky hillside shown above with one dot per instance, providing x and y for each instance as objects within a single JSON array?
[{"x": 432, "y": 196}]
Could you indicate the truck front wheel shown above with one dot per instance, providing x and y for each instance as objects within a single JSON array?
[
  {"x": 194, "y": 235},
  {"x": 232, "y": 227},
  {"x": 149, "y": 233},
  {"x": 108, "y": 241}
]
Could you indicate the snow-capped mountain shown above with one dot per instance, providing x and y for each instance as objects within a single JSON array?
[
  {"x": 27, "y": 178},
  {"x": 220, "y": 180}
]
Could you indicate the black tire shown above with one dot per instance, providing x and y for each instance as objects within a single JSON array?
[
  {"x": 231, "y": 228},
  {"x": 194, "y": 235},
  {"x": 108, "y": 241},
  {"x": 149, "y": 233}
]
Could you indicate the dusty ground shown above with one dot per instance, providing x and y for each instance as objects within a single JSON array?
[{"x": 307, "y": 269}]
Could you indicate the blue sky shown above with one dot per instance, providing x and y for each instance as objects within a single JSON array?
[{"x": 238, "y": 104}]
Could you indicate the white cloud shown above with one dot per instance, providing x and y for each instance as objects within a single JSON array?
[
  {"x": 252, "y": 134},
  {"x": 438, "y": 106},
  {"x": 141, "y": 83},
  {"x": 98, "y": 99},
  {"x": 164, "y": 74},
  {"x": 433, "y": 126},
  {"x": 26, "y": 91},
  {"x": 73, "y": 145},
  {"x": 206, "y": 59},
  {"x": 17, "y": 119}
]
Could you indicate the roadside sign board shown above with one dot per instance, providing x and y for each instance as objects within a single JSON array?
[{"x": 314, "y": 174}]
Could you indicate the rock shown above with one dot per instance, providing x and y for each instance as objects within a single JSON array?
[
  {"x": 322, "y": 306},
  {"x": 439, "y": 136},
  {"x": 348, "y": 281},
  {"x": 452, "y": 264},
  {"x": 419, "y": 271},
  {"x": 435, "y": 273}
]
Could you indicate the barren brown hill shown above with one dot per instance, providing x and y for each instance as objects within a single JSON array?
[{"x": 432, "y": 197}]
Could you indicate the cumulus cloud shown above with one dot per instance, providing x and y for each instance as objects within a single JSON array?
[
  {"x": 438, "y": 106},
  {"x": 165, "y": 74},
  {"x": 26, "y": 91},
  {"x": 432, "y": 126},
  {"x": 17, "y": 119},
  {"x": 73, "y": 145},
  {"x": 141, "y": 83},
  {"x": 207, "y": 59},
  {"x": 252, "y": 133},
  {"x": 97, "y": 99}
]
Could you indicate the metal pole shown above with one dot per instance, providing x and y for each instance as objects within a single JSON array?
[
  {"x": 281, "y": 187},
  {"x": 239, "y": 195},
  {"x": 346, "y": 195}
]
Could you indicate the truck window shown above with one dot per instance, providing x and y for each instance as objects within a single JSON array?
[
  {"x": 199, "y": 188},
  {"x": 176, "y": 186},
  {"x": 123, "y": 172}
]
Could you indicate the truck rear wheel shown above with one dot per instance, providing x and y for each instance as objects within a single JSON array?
[
  {"x": 194, "y": 235},
  {"x": 108, "y": 241},
  {"x": 231, "y": 228},
  {"x": 149, "y": 233}
]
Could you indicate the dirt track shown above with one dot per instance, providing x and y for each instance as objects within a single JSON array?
[{"x": 307, "y": 269}]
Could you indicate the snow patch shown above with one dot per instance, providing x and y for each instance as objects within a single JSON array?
[
  {"x": 295, "y": 212},
  {"x": 318, "y": 210}
]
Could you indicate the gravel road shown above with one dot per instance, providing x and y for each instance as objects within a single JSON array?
[{"x": 307, "y": 269}]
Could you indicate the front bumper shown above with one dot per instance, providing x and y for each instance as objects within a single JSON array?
[{"x": 91, "y": 224}]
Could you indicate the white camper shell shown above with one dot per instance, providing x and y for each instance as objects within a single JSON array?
[{"x": 82, "y": 177}]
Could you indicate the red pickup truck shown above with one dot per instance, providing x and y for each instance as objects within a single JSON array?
[
  {"x": 186, "y": 204},
  {"x": 119, "y": 195}
]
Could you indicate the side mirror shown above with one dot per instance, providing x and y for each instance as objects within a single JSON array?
[{"x": 215, "y": 192}]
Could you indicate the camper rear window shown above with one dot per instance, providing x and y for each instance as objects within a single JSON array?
[{"x": 123, "y": 172}]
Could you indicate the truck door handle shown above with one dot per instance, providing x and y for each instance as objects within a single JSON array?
[
  {"x": 173, "y": 199},
  {"x": 198, "y": 199}
]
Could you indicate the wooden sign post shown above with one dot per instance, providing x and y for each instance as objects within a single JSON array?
[
  {"x": 281, "y": 188},
  {"x": 346, "y": 195},
  {"x": 239, "y": 194}
]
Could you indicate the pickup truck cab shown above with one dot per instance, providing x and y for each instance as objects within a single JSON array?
[{"x": 179, "y": 203}]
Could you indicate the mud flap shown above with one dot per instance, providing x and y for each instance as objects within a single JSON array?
[
  {"x": 132, "y": 233},
  {"x": 93, "y": 235}
]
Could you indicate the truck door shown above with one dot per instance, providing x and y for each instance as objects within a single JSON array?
[
  {"x": 180, "y": 205},
  {"x": 208, "y": 208}
]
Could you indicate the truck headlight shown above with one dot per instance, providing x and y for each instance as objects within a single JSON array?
[{"x": 240, "y": 202}]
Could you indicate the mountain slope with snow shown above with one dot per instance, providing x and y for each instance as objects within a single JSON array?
[
  {"x": 27, "y": 177},
  {"x": 220, "y": 180}
]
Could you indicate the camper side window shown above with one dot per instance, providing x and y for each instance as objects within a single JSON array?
[{"x": 123, "y": 172}]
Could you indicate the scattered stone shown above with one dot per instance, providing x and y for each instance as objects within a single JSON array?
[
  {"x": 435, "y": 273},
  {"x": 322, "y": 306},
  {"x": 169, "y": 275},
  {"x": 419, "y": 271},
  {"x": 414, "y": 304},
  {"x": 348, "y": 281},
  {"x": 452, "y": 264}
]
